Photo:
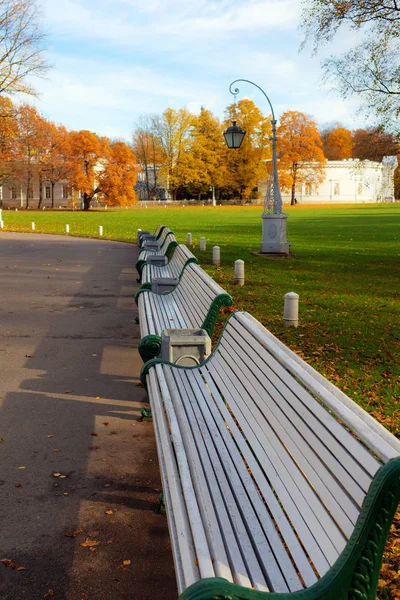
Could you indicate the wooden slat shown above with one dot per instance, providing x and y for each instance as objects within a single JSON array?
[{"x": 374, "y": 436}]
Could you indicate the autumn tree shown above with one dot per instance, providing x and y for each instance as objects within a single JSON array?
[
  {"x": 300, "y": 148},
  {"x": 371, "y": 69},
  {"x": 203, "y": 167},
  {"x": 172, "y": 130},
  {"x": 87, "y": 156},
  {"x": 56, "y": 161},
  {"x": 373, "y": 143},
  {"x": 337, "y": 143},
  {"x": 21, "y": 46},
  {"x": 117, "y": 181},
  {"x": 8, "y": 136},
  {"x": 28, "y": 148},
  {"x": 246, "y": 165},
  {"x": 148, "y": 151}
]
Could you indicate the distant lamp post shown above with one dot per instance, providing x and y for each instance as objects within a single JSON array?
[{"x": 274, "y": 221}]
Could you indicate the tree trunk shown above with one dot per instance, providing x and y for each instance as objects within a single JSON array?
[
  {"x": 293, "y": 196},
  {"x": 86, "y": 201},
  {"x": 40, "y": 191},
  {"x": 28, "y": 185},
  {"x": 52, "y": 194}
]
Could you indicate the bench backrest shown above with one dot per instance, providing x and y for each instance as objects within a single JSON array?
[
  {"x": 181, "y": 257},
  {"x": 163, "y": 236},
  {"x": 156, "y": 234}
]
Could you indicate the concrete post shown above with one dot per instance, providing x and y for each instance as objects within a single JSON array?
[
  {"x": 66, "y": 228},
  {"x": 33, "y": 226},
  {"x": 216, "y": 256},
  {"x": 239, "y": 272},
  {"x": 100, "y": 230},
  {"x": 203, "y": 244},
  {"x": 291, "y": 310},
  {"x": 1, "y": 224},
  {"x": 188, "y": 239}
]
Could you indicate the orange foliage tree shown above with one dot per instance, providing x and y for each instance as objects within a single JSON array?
[
  {"x": 338, "y": 143},
  {"x": 118, "y": 179},
  {"x": 87, "y": 156},
  {"x": 246, "y": 165},
  {"x": 300, "y": 148}
]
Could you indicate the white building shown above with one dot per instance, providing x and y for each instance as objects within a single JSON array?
[{"x": 350, "y": 181}]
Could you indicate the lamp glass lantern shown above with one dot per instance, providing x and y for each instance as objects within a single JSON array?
[{"x": 234, "y": 136}]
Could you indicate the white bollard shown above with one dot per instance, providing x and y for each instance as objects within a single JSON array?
[
  {"x": 33, "y": 226},
  {"x": 291, "y": 310},
  {"x": 203, "y": 244},
  {"x": 216, "y": 257},
  {"x": 66, "y": 228},
  {"x": 1, "y": 224},
  {"x": 1, "y": 214},
  {"x": 188, "y": 239},
  {"x": 137, "y": 235},
  {"x": 239, "y": 272},
  {"x": 16, "y": 210},
  {"x": 100, "y": 230}
]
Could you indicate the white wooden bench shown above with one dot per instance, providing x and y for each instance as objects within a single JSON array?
[
  {"x": 148, "y": 243},
  {"x": 175, "y": 267},
  {"x": 194, "y": 303},
  {"x": 142, "y": 235},
  {"x": 166, "y": 249},
  {"x": 274, "y": 480}
]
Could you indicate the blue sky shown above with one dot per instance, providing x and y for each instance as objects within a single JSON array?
[{"x": 115, "y": 60}]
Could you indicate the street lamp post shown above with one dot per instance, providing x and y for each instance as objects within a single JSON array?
[{"x": 274, "y": 221}]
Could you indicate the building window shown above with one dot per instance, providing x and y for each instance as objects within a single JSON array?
[
  {"x": 336, "y": 188},
  {"x": 66, "y": 191},
  {"x": 13, "y": 193},
  {"x": 308, "y": 189},
  {"x": 48, "y": 191}
]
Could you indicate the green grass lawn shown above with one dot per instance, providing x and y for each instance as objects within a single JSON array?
[{"x": 346, "y": 271}]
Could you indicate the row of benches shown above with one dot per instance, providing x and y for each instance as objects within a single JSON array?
[{"x": 277, "y": 485}]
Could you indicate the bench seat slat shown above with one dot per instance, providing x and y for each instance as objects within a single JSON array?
[
  {"x": 270, "y": 551},
  {"x": 199, "y": 536},
  {"x": 275, "y": 508},
  {"x": 178, "y": 522},
  {"x": 218, "y": 523},
  {"x": 299, "y": 426},
  {"x": 315, "y": 537},
  {"x": 333, "y": 429},
  {"x": 376, "y": 437}
]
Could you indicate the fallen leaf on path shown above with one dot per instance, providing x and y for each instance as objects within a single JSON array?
[
  {"x": 65, "y": 493},
  {"x": 97, "y": 397},
  {"x": 49, "y": 593},
  {"x": 56, "y": 474},
  {"x": 20, "y": 468},
  {"x": 50, "y": 436},
  {"x": 94, "y": 447},
  {"x": 90, "y": 543},
  {"x": 94, "y": 433},
  {"x": 74, "y": 533},
  {"x": 56, "y": 449},
  {"x": 126, "y": 562},
  {"x": 68, "y": 392},
  {"x": 106, "y": 424},
  {"x": 1, "y": 440},
  {"x": 18, "y": 485},
  {"x": 29, "y": 355},
  {"x": 92, "y": 549},
  {"x": 9, "y": 562},
  {"x": 109, "y": 512},
  {"x": 63, "y": 476},
  {"x": 94, "y": 355}
]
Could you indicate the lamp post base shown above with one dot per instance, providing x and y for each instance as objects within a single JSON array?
[{"x": 274, "y": 235}]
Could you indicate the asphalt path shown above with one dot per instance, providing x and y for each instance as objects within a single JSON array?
[{"x": 76, "y": 464}]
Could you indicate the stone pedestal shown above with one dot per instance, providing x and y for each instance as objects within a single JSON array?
[
  {"x": 274, "y": 235},
  {"x": 185, "y": 347},
  {"x": 157, "y": 260},
  {"x": 161, "y": 285}
]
